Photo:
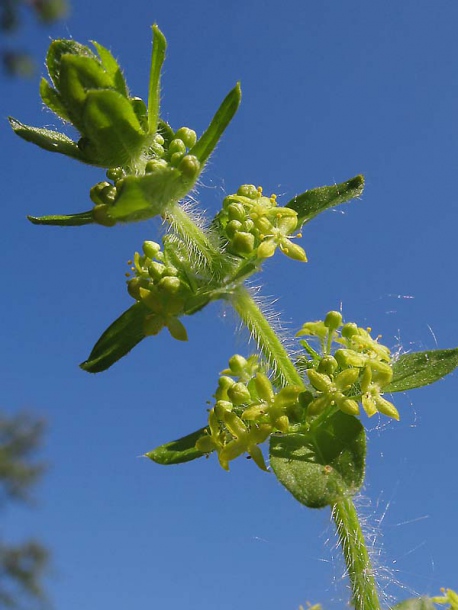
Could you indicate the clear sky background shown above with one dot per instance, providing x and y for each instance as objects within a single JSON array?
[{"x": 331, "y": 89}]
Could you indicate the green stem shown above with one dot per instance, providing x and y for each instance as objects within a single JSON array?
[
  {"x": 265, "y": 336},
  {"x": 357, "y": 559}
]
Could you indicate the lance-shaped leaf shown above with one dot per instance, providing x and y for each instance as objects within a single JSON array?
[
  {"x": 69, "y": 220},
  {"x": 205, "y": 145},
  {"x": 322, "y": 467},
  {"x": 154, "y": 93},
  {"x": 59, "y": 48},
  {"x": 47, "y": 139},
  {"x": 112, "y": 67},
  {"x": 118, "y": 339},
  {"x": 179, "y": 451},
  {"x": 313, "y": 202},
  {"x": 417, "y": 603},
  {"x": 421, "y": 368}
]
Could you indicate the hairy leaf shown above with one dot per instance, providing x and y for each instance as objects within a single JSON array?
[
  {"x": 117, "y": 340},
  {"x": 421, "y": 368},
  {"x": 179, "y": 451},
  {"x": 69, "y": 220},
  {"x": 322, "y": 467},
  {"x": 313, "y": 202}
]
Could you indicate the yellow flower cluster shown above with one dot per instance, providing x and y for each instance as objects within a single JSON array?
[{"x": 354, "y": 374}]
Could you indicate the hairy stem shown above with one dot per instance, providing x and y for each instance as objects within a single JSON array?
[
  {"x": 359, "y": 567},
  {"x": 265, "y": 336}
]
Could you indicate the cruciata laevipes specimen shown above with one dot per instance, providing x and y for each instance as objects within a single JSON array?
[{"x": 307, "y": 409}]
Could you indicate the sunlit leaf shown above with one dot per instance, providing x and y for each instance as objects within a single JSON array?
[
  {"x": 117, "y": 340},
  {"x": 179, "y": 451},
  {"x": 421, "y": 368},
  {"x": 321, "y": 468},
  {"x": 313, "y": 202}
]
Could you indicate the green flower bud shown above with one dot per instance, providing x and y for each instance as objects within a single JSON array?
[
  {"x": 236, "y": 211},
  {"x": 328, "y": 365},
  {"x": 158, "y": 139},
  {"x": 175, "y": 159},
  {"x": 249, "y": 190},
  {"x": 263, "y": 387},
  {"x": 101, "y": 215},
  {"x": 151, "y": 248},
  {"x": 169, "y": 284},
  {"x": 177, "y": 146},
  {"x": 237, "y": 364},
  {"x": 248, "y": 225},
  {"x": 282, "y": 423},
  {"x": 243, "y": 243},
  {"x": 346, "y": 379},
  {"x": 263, "y": 225},
  {"x": 222, "y": 407},
  {"x": 224, "y": 383},
  {"x": 188, "y": 136},
  {"x": 348, "y": 357},
  {"x": 287, "y": 397},
  {"x": 239, "y": 394},
  {"x": 190, "y": 167},
  {"x": 156, "y": 270},
  {"x": 318, "y": 405},
  {"x": 97, "y": 192},
  {"x": 333, "y": 320},
  {"x": 158, "y": 150},
  {"x": 115, "y": 174},
  {"x": 134, "y": 285},
  {"x": 233, "y": 227},
  {"x": 349, "y": 329},
  {"x": 348, "y": 406},
  {"x": 319, "y": 381},
  {"x": 154, "y": 165}
]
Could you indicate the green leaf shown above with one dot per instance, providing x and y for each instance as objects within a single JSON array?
[
  {"x": 53, "y": 100},
  {"x": 154, "y": 92},
  {"x": 313, "y": 202},
  {"x": 112, "y": 67},
  {"x": 417, "y": 603},
  {"x": 205, "y": 145},
  {"x": 117, "y": 340},
  {"x": 179, "y": 451},
  {"x": 70, "y": 220},
  {"x": 47, "y": 139},
  {"x": 113, "y": 130},
  {"x": 59, "y": 48},
  {"x": 320, "y": 468},
  {"x": 421, "y": 368}
]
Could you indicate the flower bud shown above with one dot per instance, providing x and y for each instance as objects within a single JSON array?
[
  {"x": 150, "y": 249},
  {"x": 248, "y": 190},
  {"x": 237, "y": 364},
  {"x": 243, "y": 243},
  {"x": 236, "y": 211},
  {"x": 333, "y": 320},
  {"x": 96, "y": 192},
  {"x": 263, "y": 387},
  {"x": 188, "y": 136},
  {"x": 170, "y": 284},
  {"x": 239, "y": 393},
  {"x": 175, "y": 159},
  {"x": 349, "y": 406},
  {"x": 328, "y": 365},
  {"x": 349, "y": 329},
  {"x": 319, "y": 381},
  {"x": 233, "y": 227},
  {"x": 190, "y": 167},
  {"x": 177, "y": 146},
  {"x": 156, "y": 270},
  {"x": 115, "y": 174},
  {"x": 224, "y": 383},
  {"x": 348, "y": 357}
]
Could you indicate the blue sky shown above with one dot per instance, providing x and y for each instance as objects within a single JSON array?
[{"x": 330, "y": 90}]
